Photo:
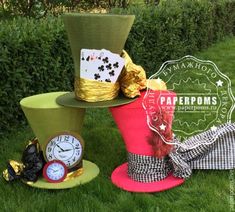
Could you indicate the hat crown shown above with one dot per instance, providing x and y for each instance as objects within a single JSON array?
[
  {"x": 96, "y": 31},
  {"x": 131, "y": 120},
  {"x": 46, "y": 117}
]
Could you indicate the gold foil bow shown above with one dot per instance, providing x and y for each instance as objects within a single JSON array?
[
  {"x": 133, "y": 77},
  {"x": 16, "y": 167}
]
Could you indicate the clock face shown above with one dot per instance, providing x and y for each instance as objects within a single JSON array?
[
  {"x": 65, "y": 147},
  {"x": 55, "y": 171}
]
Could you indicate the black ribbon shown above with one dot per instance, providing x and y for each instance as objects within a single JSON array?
[{"x": 32, "y": 163}]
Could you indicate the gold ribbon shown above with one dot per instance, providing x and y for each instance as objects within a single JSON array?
[
  {"x": 74, "y": 174},
  {"x": 133, "y": 77},
  {"x": 16, "y": 166},
  {"x": 95, "y": 91}
]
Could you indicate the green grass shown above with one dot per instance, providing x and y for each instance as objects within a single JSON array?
[{"x": 204, "y": 191}]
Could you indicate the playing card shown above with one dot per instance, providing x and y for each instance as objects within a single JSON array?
[
  {"x": 101, "y": 65},
  {"x": 88, "y": 58},
  {"x": 113, "y": 66}
]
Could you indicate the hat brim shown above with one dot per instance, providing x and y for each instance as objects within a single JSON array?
[
  {"x": 122, "y": 180},
  {"x": 69, "y": 100},
  {"x": 91, "y": 171}
]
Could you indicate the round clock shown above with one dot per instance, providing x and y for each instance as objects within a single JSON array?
[
  {"x": 55, "y": 171},
  {"x": 66, "y": 147}
]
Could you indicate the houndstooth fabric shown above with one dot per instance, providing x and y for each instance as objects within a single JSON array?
[
  {"x": 147, "y": 168},
  {"x": 208, "y": 150}
]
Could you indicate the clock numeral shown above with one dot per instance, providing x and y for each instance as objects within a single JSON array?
[
  {"x": 66, "y": 138},
  {"x": 68, "y": 163},
  {"x": 50, "y": 156},
  {"x": 59, "y": 138},
  {"x": 52, "y": 143},
  {"x": 74, "y": 159},
  {"x": 77, "y": 146},
  {"x": 49, "y": 149}
]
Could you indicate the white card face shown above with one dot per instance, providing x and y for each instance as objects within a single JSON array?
[
  {"x": 88, "y": 58},
  {"x": 114, "y": 66},
  {"x": 101, "y": 65}
]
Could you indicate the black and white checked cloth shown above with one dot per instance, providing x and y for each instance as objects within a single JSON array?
[
  {"x": 213, "y": 149},
  {"x": 147, "y": 168}
]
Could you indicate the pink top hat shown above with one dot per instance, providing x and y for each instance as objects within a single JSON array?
[{"x": 147, "y": 169}]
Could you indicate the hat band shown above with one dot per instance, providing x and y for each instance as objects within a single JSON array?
[
  {"x": 147, "y": 169},
  {"x": 95, "y": 91}
]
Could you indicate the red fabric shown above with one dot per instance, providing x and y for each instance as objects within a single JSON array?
[
  {"x": 122, "y": 180},
  {"x": 131, "y": 120}
]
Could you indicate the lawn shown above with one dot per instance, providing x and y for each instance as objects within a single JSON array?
[{"x": 204, "y": 191}]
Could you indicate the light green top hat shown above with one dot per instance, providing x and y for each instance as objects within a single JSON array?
[
  {"x": 47, "y": 118},
  {"x": 96, "y": 31}
]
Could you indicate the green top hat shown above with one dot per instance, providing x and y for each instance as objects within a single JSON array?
[
  {"x": 96, "y": 31},
  {"x": 46, "y": 117}
]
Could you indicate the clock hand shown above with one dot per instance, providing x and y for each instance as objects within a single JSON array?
[
  {"x": 66, "y": 150},
  {"x": 60, "y": 147},
  {"x": 55, "y": 171}
]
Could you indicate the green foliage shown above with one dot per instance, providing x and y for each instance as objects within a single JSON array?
[
  {"x": 34, "y": 58},
  {"x": 35, "y": 55},
  {"x": 41, "y": 8},
  {"x": 38, "y": 8},
  {"x": 175, "y": 28},
  {"x": 104, "y": 3}
]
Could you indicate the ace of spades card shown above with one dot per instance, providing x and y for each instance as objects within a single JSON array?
[{"x": 101, "y": 65}]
